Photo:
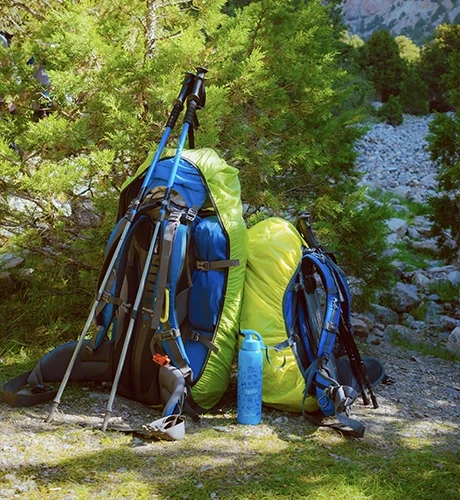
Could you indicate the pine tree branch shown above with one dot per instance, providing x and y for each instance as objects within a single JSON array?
[
  {"x": 153, "y": 27},
  {"x": 28, "y": 9},
  {"x": 256, "y": 31},
  {"x": 58, "y": 256}
]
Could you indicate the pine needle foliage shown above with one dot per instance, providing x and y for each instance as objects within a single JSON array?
[{"x": 280, "y": 107}]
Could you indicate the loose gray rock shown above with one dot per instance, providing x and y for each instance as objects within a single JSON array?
[
  {"x": 454, "y": 277},
  {"x": 453, "y": 342},
  {"x": 398, "y": 226},
  {"x": 431, "y": 245},
  {"x": 405, "y": 297},
  {"x": 384, "y": 315},
  {"x": 12, "y": 262},
  {"x": 361, "y": 327}
]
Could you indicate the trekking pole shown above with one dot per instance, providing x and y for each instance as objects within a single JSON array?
[
  {"x": 360, "y": 366},
  {"x": 177, "y": 108},
  {"x": 354, "y": 364},
  {"x": 304, "y": 228},
  {"x": 193, "y": 101}
]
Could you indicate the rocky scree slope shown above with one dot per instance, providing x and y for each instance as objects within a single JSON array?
[{"x": 424, "y": 399}]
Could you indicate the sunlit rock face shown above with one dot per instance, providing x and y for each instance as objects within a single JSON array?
[{"x": 416, "y": 19}]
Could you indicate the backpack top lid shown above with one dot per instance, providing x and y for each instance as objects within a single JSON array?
[{"x": 221, "y": 180}]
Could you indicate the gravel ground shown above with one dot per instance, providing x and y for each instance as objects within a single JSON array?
[{"x": 421, "y": 403}]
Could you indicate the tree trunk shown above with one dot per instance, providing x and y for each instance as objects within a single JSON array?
[{"x": 152, "y": 27}]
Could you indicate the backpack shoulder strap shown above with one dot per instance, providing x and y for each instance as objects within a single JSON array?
[{"x": 333, "y": 398}]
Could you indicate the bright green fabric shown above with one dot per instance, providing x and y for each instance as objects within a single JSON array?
[
  {"x": 274, "y": 254},
  {"x": 225, "y": 190}
]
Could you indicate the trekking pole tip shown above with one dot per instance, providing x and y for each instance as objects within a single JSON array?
[
  {"x": 107, "y": 416},
  {"x": 52, "y": 412}
]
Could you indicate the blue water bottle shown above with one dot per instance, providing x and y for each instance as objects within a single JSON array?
[{"x": 250, "y": 365}]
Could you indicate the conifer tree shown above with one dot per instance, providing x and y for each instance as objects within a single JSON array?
[
  {"x": 278, "y": 108},
  {"x": 435, "y": 64},
  {"x": 444, "y": 145},
  {"x": 380, "y": 59},
  {"x": 414, "y": 93},
  {"x": 113, "y": 76}
]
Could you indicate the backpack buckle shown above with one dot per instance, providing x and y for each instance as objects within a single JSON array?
[
  {"x": 161, "y": 359},
  {"x": 172, "y": 334},
  {"x": 191, "y": 214},
  {"x": 330, "y": 327},
  {"x": 175, "y": 217},
  {"x": 202, "y": 265},
  {"x": 194, "y": 335}
]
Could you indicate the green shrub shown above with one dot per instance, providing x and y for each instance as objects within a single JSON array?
[
  {"x": 424, "y": 347},
  {"x": 444, "y": 146},
  {"x": 392, "y": 111},
  {"x": 414, "y": 94},
  {"x": 420, "y": 312}
]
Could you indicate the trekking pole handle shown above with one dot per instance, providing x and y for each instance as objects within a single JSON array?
[
  {"x": 196, "y": 99},
  {"x": 179, "y": 102},
  {"x": 306, "y": 230}
]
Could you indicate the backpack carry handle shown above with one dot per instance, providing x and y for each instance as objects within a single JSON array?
[{"x": 187, "y": 87}]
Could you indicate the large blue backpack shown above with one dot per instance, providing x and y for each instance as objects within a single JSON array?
[{"x": 186, "y": 330}]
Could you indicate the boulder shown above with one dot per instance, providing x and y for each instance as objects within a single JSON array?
[
  {"x": 14, "y": 262},
  {"x": 361, "y": 326},
  {"x": 398, "y": 226},
  {"x": 454, "y": 277},
  {"x": 419, "y": 279},
  {"x": 404, "y": 297},
  {"x": 453, "y": 342},
  {"x": 431, "y": 245},
  {"x": 384, "y": 315},
  {"x": 399, "y": 331}
]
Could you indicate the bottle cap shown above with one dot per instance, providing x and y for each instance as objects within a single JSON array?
[{"x": 251, "y": 344}]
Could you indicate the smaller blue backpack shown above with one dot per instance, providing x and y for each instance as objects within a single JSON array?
[{"x": 297, "y": 298}]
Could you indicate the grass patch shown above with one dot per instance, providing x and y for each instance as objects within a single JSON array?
[
  {"x": 446, "y": 290},
  {"x": 418, "y": 259},
  {"x": 274, "y": 464},
  {"x": 413, "y": 208},
  {"x": 437, "y": 350},
  {"x": 283, "y": 458},
  {"x": 420, "y": 312},
  {"x": 45, "y": 309}
]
